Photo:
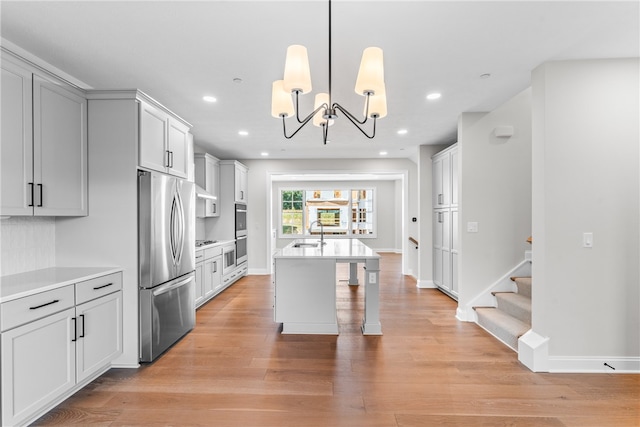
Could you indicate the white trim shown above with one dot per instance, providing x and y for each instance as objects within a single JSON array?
[
  {"x": 533, "y": 351},
  {"x": 426, "y": 284},
  {"x": 259, "y": 272},
  {"x": 461, "y": 315},
  {"x": 503, "y": 284},
  {"x": 594, "y": 365}
]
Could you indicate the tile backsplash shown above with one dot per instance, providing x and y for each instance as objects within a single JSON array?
[{"x": 27, "y": 243}]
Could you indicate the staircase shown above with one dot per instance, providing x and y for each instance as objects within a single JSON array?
[{"x": 511, "y": 317}]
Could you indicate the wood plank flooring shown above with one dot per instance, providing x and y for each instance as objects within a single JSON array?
[{"x": 428, "y": 369}]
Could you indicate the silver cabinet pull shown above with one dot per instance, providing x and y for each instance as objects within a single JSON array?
[
  {"x": 103, "y": 286},
  {"x": 440, "y": 198},
  {"x": 40, "y": 204},
  {"x": 32, "y": 194}
]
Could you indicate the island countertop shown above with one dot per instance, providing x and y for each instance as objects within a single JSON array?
[{"x": 339, "y": 249}]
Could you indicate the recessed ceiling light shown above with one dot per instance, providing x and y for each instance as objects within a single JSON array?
[
  {"x": 209, "y": 98},
  {"x": 433, "y": 96},
  {"x": 485, "y": 76},
  {"x": 402, "y": 132},
  {"x": 243, "y": 133},
  {"x": 383, "y": 153},
  {"x": 237, "y": 80},
  {"x": 264, "y": 154}
]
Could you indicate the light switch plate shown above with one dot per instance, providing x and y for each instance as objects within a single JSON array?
[
  {"x": 472, "y": 227},
  {"x": 587, "y": 240}
]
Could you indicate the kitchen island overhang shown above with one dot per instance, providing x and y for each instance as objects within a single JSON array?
[{"x": 305, "y": 285}]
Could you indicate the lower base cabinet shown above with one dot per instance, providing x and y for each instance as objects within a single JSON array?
[
  {"x": 208, "y": 274},
  {"x": 44, "y": 360}
]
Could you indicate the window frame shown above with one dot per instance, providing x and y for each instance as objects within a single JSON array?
[{"x": 349, "y": 189}]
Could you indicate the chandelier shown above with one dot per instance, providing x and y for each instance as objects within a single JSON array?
[{"x": 297, "y": 81}]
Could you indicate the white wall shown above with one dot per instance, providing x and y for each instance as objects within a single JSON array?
[
  {"x": 586, "y": 179},
  {"x": 27, "y": 243},
  {"x": 495, "y": 191},
  {"x": 260, "y": 196}
]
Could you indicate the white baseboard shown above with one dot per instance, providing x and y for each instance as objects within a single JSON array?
[
  {"x": 258, "y": 272},
  {"x": 463, "y": 316},
  {"x": 594, "y": 365},
  {"x": 426, "y": 284}
]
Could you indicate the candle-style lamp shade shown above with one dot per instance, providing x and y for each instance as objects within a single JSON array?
[
  {"x": 281, "y": 102},
  {"x": 297, "y": 74},
  {"x": 371, "y": 73},
  {"x": 377, "y": 104}
]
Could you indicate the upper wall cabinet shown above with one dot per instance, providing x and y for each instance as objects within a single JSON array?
[
  {"x": 164, "y": 142},
  {"x": 207, "y": 176},
  {"x": 445, "y": 178},
  {"x": 44, "y": 143}
]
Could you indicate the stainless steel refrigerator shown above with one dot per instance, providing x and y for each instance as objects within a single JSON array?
[{"x": 166, "y": 251}]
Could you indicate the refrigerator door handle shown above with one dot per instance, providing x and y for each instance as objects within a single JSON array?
[
  {"x": 180, "y": 231},
  {"x": 169, "y": 287}
]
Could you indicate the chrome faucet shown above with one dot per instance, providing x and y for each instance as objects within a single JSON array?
[{"x": 321, "y": 231}]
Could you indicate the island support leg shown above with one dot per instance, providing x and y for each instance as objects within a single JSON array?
[
  {"x": 371, "y": 322},
  {"x": 353, "y": 274}
]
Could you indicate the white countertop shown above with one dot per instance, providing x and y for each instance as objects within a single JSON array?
[
  {"x": 32, "y": 282},
  {"x": 340, "y": 249},
  {"x": 213, "y": 245}
]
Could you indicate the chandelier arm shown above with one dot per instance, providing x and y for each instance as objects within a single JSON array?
[
  {"x": 304, "y": 122},
  {"x": 298, "y": 109},
  {"x": 356, "y": 123},
  {"x": 351, "y": 116},
  {"x": 325, "y": 133}
]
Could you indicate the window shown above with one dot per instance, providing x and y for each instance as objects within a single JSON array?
[{"x": 342, "y": 212}]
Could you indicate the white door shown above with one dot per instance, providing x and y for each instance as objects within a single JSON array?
[
  {"x": 178, "y": 148},
  {"x": 153, "y": 138},
  {"x": 99, "y": 325},
  {"x": 38, "y": 365},
  {"x": 59, "y": 150},
  {"x": 16, "y": 169}
]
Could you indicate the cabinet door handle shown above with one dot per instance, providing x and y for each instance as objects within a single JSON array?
[
  {"x": 168, "y": 163},
  {"x": 82, "y": 334},
  {"x": 44, "y": 305},
  {"x": 215, "y": 267},
  {"x": 241, "y": 195},
  {"x": 75, "y": 330},
  {"x": 32, "y": 194},
  {"x": 440, "y": 216},
  {"x": 103, "y": 286},
  {"x": 170, "y": 159},
  {"x": 213, "y": 210},
  {"x": 40, "y": 204},
  {"x": 440, "y": 199}
]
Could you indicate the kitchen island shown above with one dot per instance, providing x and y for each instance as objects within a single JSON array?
[{"x": 305, "y": 285}]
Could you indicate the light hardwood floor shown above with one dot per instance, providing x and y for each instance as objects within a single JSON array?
[{"x": 428, "y": 369}]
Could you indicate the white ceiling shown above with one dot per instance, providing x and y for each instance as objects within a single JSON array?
[{"x": 178, "y": 51}]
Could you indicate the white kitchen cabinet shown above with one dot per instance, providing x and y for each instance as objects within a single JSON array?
[
  {"x": 207, "y": 176},
  {"x": 445, "y": 220},
  {"x": 38, "y": 365},
  {"x": 54, "y": 342},
  {"x": 240, "y": 182},
  {"x": 164, "y": 141},
  {"x": 44, "y": 143},
  {"x": 208, "y": 274},
  {"x": 199, "y": 278},
  {"x": 99, "y": 334}
]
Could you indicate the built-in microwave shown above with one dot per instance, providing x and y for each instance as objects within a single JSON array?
[{"x": 241, "y": 219}]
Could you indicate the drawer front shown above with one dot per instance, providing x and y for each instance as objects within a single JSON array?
[
  {"x": 24, "y": 310},
  {"x": 199, "y": 256},
  {"x": 95, "y": 288},
  {"x": 211, "y": 252}
]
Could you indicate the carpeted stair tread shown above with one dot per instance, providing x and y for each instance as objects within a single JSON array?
[
  {"x": 516, "y": 305},
  {"x": 503, "y": 326},
  {"x": 523, "y": 284}
]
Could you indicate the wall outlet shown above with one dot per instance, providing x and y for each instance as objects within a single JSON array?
[
  {"x": 372, "y": 278},
  {"x": 472, "y": 227}
]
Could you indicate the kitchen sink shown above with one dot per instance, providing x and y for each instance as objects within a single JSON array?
[{"x": 305, "y": 245}]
